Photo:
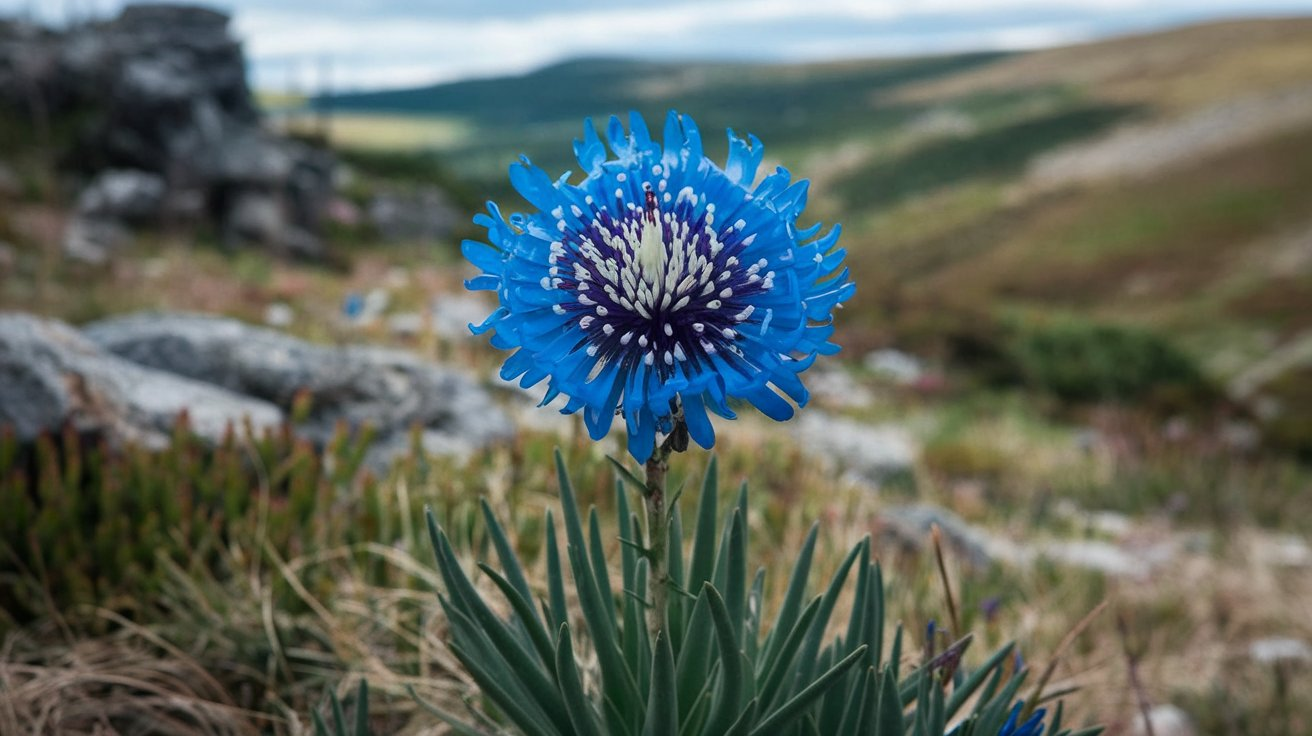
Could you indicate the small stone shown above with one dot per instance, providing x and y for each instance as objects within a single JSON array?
[
  {"x": 124, "y": 195},
  {"x": 93, "y": 240},
  {"x": 452, "y": 315},
  {"x": 910, "y": 527},
  {"x": 279, "y": 314},
  {"x": 425, "y": 215},
  {"x": 1282, "y": 550},
  {"x": 405, "y": 324},
  {"x": 836, "y": 386},
  {"x": 1280, "y": 650},
  {"x": 896, "y": 365},
  {"x": 873, "y": 452},
  {"x": 1102, "y": 557},
  {"x": 1167, "y": 720}
]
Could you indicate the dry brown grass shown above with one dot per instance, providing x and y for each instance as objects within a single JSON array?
[{"x": 1172, "y": 71}]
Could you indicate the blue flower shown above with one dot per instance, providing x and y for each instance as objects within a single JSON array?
[
  {"x": 1031, "y": 727},
  {"x": 660, "y": 286}
]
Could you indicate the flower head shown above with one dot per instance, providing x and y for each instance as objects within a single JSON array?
[{"x": 661, "y": 285}]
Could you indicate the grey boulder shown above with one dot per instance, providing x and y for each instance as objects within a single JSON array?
[{"x": 51, "y": 376}]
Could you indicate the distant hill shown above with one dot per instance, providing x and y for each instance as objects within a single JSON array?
[{"x": 787, "y": 105}]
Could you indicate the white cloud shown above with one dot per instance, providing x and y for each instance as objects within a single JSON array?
[{"x": 289, "y": 41}]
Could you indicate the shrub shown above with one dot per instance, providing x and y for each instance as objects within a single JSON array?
[
  {"x": 87, "y": 524},
  {"x": 1081, "y": 361}
]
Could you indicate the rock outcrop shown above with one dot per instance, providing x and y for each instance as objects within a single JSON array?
[
  {"x": 52, "y": 376},
  {"x": 168, "y": 130},
  {"x": 130, "y": 378},
  {"x": 388, "y": 389}
]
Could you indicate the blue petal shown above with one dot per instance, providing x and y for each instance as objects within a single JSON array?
[
  {"x": 770, "y": 403},
  {"x": 743, "y": 161},
  {"x": 482, "y": 255},
  {"x": 533, "y": 184},
  {"x": 642, "y": 436},
  {"x": 490, "y": 322},
  {"x": 590, "y": 152},
  {"x": 699, "y": 425}
]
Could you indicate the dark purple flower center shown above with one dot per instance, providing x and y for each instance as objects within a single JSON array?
[{"x": 659, "y": 284}]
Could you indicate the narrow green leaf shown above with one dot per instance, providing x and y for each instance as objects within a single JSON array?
[
  {"x": 513, "y": 683},
  {"x": 877, "y": 619},
  {"x": 581, "y": 715},
  {"x": 639, "y": 484},
  {"x": 695, "y": 656},
  {"x": 743, "y": 725},
  {"x": 640, "y": 664},
  {"x": 339, "y": 718},
  {"x": 786, "y": 713},
  {"x": 618, "y": 682},
  {"x": 635, "y": 604},
  {"x": 514, "y": 573},
  {"x": 725, "y": 710},
  {"x": 362, "y": 709},
  {"x": 537, "y": 683},
  {"x": 752, "y": 624},
  {"x": 855, "y": 708},
  {"x": 937, "y": 718},
  {"x": 895, "y": 657},
  {"x": 674, "y": 568},
  {"x": 889, "y": 721},
  {"x": 624, "y": 521},
  {"x": 774, "y": 675},
  {"x": 531, "y": 720},
  {"x": 460, "y": 727},
  {"x": 569, "y": 506},
  {"x": 734, "y": 575},
  {"x": 555, "y": 578},
  {"x": 962, "y": 692},
  {"x": 538, "y": 635},
  {"x": 793, "y": 596},
  {"x": 662, "y": 701},
  {"x": 600, "y": 571},
  {"x": 806, "y": 657},
  {"x": 702, "y": 567}
]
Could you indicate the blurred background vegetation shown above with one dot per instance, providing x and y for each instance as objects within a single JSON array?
[{"x": 1084, "y": 309}]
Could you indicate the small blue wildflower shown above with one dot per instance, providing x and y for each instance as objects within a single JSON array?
[
  {"x": 353, "y": 305},
  {"x": 660, "y": 286},
  {"x": 1031, "y": 727}
]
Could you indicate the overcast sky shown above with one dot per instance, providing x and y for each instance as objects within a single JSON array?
[{"x": 399, "y": 43}]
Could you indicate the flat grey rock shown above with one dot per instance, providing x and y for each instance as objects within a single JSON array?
[
  {"x": 52, "y": 376},
  {"x": 910, "y": 527},
  {"x": 390, "y": 390},
  {"x": 871, "y": 452}
]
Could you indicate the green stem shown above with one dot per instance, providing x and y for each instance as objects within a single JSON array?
[{"x": 658, "y": 532}]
